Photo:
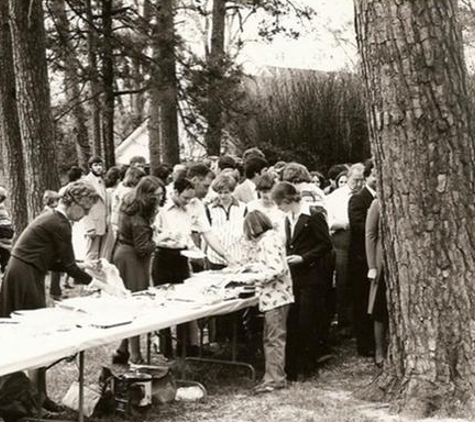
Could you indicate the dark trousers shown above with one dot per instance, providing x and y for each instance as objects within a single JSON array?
[
  {"x": 169, "y": 266},
  {"x": 306, "y": 323},
  {"x": 4, "y": 257},
  {"x": 341, "y": 243},
  {"x": 363, "y": 323}
]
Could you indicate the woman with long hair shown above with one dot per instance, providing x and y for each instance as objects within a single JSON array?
[{"x": 135, "y": 247}]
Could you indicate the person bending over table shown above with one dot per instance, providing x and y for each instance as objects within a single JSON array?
[
  {"x": 135, "y": 248},
  {"x": 45, "y": 245}
]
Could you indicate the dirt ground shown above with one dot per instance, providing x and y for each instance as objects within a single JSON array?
[{"x": 327, "y": 397}]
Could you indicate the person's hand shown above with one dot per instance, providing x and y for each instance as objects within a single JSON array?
[
  {"x": 294, "y": 260},
  {"x": 106, "y": 288},
  {"x": 372, "y": 272},
  {"x": 230, "y": 260},
  {"x": 94, "y": 269}
]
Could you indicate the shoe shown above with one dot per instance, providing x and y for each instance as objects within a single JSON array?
[
  {"x": 51, "y": 406},
  {"x": 325, "y": 358},
  {"x": 120, "y": 358},
  {"x": 379, "y": 362},
  {"x": 267, "y": 388}
]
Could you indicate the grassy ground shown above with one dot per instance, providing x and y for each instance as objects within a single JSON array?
[{"x": 328, "y": 397}]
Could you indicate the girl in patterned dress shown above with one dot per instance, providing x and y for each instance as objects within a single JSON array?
[{"x": 274, "y": 290}]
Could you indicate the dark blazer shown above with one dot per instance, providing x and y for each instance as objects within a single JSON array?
[
  {"x": 44, "y": 245},
  {"x": 357, "y": 211},
  {"x": 311, "y": 240}
]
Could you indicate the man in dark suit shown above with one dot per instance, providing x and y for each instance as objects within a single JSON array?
[
  {"x": 308, "y": 245},
  {"x": 357, "y": 267}
]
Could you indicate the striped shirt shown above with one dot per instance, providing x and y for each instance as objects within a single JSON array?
[{"x": 227, "y": 225}]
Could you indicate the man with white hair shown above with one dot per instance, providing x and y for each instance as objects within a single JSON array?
[{"x": 339, "y": 224}]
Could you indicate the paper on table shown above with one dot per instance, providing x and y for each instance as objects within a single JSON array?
[{"x": 193, "y": 253}]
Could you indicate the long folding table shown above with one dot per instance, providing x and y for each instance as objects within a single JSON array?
[{"x": 21, "y": 350}]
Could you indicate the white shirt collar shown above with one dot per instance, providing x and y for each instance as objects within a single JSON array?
[
  {"x": 371, "y": 191},
  {"x": 304, "y": 210}
]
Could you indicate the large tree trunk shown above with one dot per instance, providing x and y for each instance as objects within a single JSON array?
[
  {"x": 163, "y": 121},
  {"x": 94, "y": 83},
  {"x": 214, "y": 113},
  {"x": 9, "y": 127},
  {"x": 33, "y": 100},
  {"x": 108, "y": 85},
  {"x": 72, "y": 84},
  {"x": 417, "y": 103}
]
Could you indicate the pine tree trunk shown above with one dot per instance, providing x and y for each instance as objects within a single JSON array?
[
  {"x": 108, "y": 85},
  {"x": 94, "y": 83},
  {"x": 163, "y": 120},
  {"x": 10, "y": 128},
  {"x": 137, "y": 99},
  {"x": 214, "y": 113},
  {"x": 417, "y": 104},
  {"x": 72, "y": 84},
  {"x": 33, "y": 100},
  {"x": 154, "y": 128}
]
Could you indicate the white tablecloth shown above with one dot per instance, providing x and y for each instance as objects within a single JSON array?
[{"x": 21, "y": 348}]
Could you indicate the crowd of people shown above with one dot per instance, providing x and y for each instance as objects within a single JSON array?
[{"x": 314, "y": 240}]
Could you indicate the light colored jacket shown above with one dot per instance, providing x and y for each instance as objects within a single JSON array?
[{"x": 96, "y": 220}]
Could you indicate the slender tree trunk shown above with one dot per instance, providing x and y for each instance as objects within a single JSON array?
[
  {"x": 95, "y": 86},
  {"x": 154, "y": 127},
  {"x": 417, "y": 104},
  {"x": 72, "y": 84},
  {"x": 33, "y": 100},
  {"x": 10, "y": 128},
  {"x": 108, "y": 84},
  {"x": 163, "y": 121},
  {"x": 215, "y": 63},
  {"x": 137, "y": 99}
]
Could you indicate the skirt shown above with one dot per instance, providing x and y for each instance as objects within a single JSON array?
[
  {"x": 23, "y": 287},
  {"x": 134, "y": 270}
]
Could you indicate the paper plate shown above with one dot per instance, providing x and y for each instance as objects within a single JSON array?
[{"x": 193, "y": 254}]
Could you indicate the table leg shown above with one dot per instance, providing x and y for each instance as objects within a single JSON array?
[
  {"x": 81, "y": 387},
  {"x": 149, "y": 345},
  {"x": 233, "y": 361}
]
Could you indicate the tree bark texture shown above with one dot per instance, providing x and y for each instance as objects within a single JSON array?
[
  {"x": 94, "y": 82},
  {"x": 163, "y": 91},
  {"x": 108, "y": 85},
  {"x": 417, "y": 105},
  {"x": 10, "y": 128},
  {"x": 72, "y": 84},
  {"x": 33, "y": 100},
  {"x": 214, "y": 114}
]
